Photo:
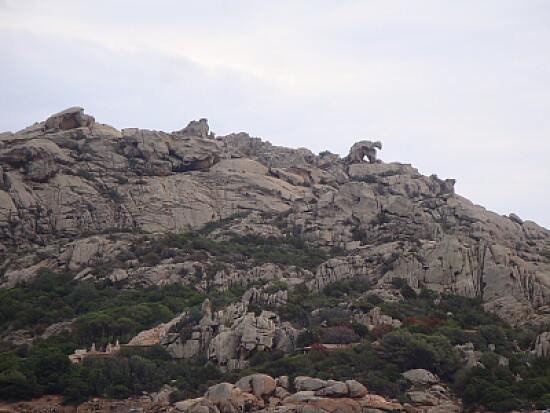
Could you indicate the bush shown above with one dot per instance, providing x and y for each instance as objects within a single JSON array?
[
  {"x": 177, "y": 396},
  {"x": 15, "y": 385},
  {"x": 338, "y": 335},
  {"x": 120, "y": 376},
  {"x": 418, "y": 351},
  {"x": 407, "y": 292},
  {"x": 307, "y": 338}
]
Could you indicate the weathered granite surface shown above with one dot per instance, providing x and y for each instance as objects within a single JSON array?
[{"x": 70, "y": 176}]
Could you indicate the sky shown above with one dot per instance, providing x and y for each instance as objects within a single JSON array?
[{"x": 459, "y": 89}]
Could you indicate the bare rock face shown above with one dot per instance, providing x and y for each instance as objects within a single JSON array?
[
  {"x": 68, "y": 119},
  {"x": 231, "y": 336},
  {"x": 421, "y": 377},
  {"x": 227, "y": 397},
  {"x": 156, "y": 334},
  {"x": 259, "y": 385},
  {"x": 542, "y": 345},
  {"x": 356, "y": 389},
  {"x": 428, "y": 394},
  {"x": 375, "y": 318},
  {"x": 198, "y": 128},
  {"x": 304, "y": 383},
  {"x": 40, "y": 158}
]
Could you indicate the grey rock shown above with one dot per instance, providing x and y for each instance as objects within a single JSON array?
[
  {"x": 304, "y": 383},
  {"x": 200, "y": 405},
  {"x": 226, "y": 397},
  {"x": 283, "y": 381},
  {"x": 71, "y": 175},
  {"x": 333, "y": 389},
  {"x": 542, "y": 345},
  {"x": 69, "y": 119},
  {"x": 361, "y": 149},
  {"x": 445, "y": 408},
  {"x": 421, "y": 377},
  {"x": 356, "y": 389},
  {"x": 259, "y": 385}
]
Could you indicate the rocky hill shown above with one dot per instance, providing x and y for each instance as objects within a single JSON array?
[
  {"x": 67, "y": 181},
  {"x": 231, "y": 252}
]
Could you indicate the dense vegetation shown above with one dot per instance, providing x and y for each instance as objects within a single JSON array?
[
  {"x": 104, "y": 311},
  {"x": 237, "y": 249}
]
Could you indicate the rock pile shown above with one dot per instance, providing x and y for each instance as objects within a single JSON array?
[
  {"x": 428, "y": 394},
  {"x": 263, "y": 393},
  {"x": 229, "y": 337}
]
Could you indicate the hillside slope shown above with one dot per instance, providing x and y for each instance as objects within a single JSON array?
[
  {"x": 166, "y": 266},
  {"x": 68, "y": 181}
]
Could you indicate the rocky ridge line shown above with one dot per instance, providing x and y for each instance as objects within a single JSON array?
[{"x": 71, "y": 176}]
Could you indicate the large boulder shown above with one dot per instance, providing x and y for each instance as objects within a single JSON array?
[
  {"x": 40, "y": 158},
  {"x": 356, "y": 389},
  {"x": 333, "y": 406},
  {"x": 259, "y": 385},
  {"x": 333, "y": 389},
  {"x": 198, "y": 128},
  {"x": 305, "y": 383},
  {"x": 68, "y": 119},
  {"x": 200, "y": 405},
  {"x": 374, "y": 401},
  {"x": 227, "y": 397},
  {"x": 361, "y": 149},
  {"x": 542, "y": 345},
  {"x": 421, "y": 377}
]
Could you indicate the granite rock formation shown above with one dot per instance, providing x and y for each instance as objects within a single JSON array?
[
  {"x": 229, "y": 337},
  {"x": 66, "y": 181},
  {"x": 361, "y": 149},
  {"x": 262, "y": 393}
]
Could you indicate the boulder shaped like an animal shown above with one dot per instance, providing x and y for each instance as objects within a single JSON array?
[{"x": 361, "y": 149}]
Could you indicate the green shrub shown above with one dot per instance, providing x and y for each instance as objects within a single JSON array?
[
  {"x": 408, "y": 351},
  {"x": 338, "y": 335},
  {"x": 307, "y": 338},
  {"x": 14, "y": 385}
]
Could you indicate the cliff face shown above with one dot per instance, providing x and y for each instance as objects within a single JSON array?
[{"x": 68, "y": 183}]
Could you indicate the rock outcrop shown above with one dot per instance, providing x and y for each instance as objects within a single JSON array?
[
  {"x": 428, "y": 394},
  {"x": 68, "y": 119},
  {"x": 261, "y": 393},
  {"x": 375, "y": 318},
  {"x": 542, "y": 345},
  {"x": 361, "y": 149},
  {"x": 156, "y": 334},
  {"x": 70, "y": 178},
  {"x": 229, "y": 337}
]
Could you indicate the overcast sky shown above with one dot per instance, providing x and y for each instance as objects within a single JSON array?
[{"x": 456, "y": 88}]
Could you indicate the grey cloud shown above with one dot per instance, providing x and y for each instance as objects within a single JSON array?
[{"x": 460, "y": 90}]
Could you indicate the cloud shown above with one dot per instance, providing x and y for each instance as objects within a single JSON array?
[{"x": 457, "y": 89}]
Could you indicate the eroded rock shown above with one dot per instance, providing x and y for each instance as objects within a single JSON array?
[
  {"x": 70, "y": 118},
  {"x": 361, "y": 149}
]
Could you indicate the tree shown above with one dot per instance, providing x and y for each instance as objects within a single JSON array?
[
  {"x": 338, "y": 335},
  {"x": 408, "y": 351},
  {"x": 49, "y": 365},
  {"x": 15, "y": 385}
]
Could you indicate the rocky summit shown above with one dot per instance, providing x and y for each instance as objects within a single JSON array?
[
  {"x": 67, "y": 180},
  {"x": 231, "y": 252}
]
